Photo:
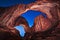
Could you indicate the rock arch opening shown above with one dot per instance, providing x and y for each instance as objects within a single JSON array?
[
  {"x": 30, "y": 15},
  {"x": 21, "y": 30}
]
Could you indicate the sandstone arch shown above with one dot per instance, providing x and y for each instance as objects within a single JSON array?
[
  {"x": 22, "y": 21},
  {"x": 52, "y": 18},
  {"x": 11, "y": 13}
]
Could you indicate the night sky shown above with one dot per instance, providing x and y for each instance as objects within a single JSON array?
[
  {"x": 6, "y": 3},
  {"x": 29, "y": 15}
]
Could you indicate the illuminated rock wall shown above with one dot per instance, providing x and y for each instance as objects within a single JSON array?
[{"x": 43, "y": 28}]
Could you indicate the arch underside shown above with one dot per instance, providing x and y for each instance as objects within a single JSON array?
[{"x": 10, "y": 19}]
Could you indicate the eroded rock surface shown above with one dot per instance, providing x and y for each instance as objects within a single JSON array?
[{"x": 43, "y": 29}]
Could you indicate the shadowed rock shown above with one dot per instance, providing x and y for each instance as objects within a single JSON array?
[
  {"x": 9, "y": 34},
  {"x": 9, "y": 18}
]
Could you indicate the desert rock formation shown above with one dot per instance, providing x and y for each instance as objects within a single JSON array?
[{"x": 43, "y": 28}]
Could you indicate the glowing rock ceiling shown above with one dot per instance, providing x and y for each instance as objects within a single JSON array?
[{"x": 42, "y": 27}]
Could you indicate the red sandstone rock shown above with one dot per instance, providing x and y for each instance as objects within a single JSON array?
[{"x": 10, "y": 14}]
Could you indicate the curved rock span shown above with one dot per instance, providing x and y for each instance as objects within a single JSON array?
[{"x": 43, "y": 28}]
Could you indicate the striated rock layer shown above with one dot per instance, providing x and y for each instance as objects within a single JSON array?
[{"x": 43, "y": 29}]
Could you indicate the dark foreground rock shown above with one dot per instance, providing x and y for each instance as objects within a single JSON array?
[{"x": 9, "y": 34}]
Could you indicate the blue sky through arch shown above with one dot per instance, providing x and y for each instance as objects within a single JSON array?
[
  {"x": 30, "y": 16},
  {"x": 21, "y": 30}
]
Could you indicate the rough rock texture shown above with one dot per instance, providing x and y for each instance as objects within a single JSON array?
[
  {"x": 46, "y": 28},
  {"x": 22, "y": 21},
  {"x": 9, "y": 34},
  {"x": 43, "y": 29}
]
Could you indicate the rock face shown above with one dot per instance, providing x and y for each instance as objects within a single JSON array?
[
  {"x": 42, "y": 23},
  {"x": 9, "y": 34},
  {"x": 22, "y": 21},
  {"x": 43, "y": 29}
]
